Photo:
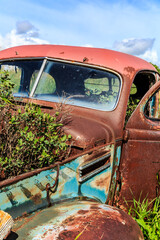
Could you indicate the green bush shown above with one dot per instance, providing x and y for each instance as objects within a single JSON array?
[
  {"x": 156, "y": 67},
  {"x": 29, "y": 138},
  {"x": 131, "y": 106}
]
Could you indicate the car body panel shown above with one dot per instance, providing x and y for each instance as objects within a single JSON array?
[
  {"x": 106, "y": 157},
  {"x": 122, "y": 63},
  {"x": 31, "y": 193},
  {"x": 87, "y": 219},
  {"x": 140, "y": 162}
]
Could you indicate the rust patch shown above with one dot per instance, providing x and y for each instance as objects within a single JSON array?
[
  {"x": 24, "y": 220},
  {"x": 99, "y": 223},
  {"x": 94, "y": 207},
  {"x": 69, "y": 220},
  {"x": 102, "y": 182},
  {"x": 91, "y": 221},
  {"x": 117, "y": 160},
  {"x": 37, "y": 198},
  {"x": 67, "y": 235},
  {"x": 94, "y": 154},
  {"x": 85, "y": 59},
  {"x": 82, "y": 212}
]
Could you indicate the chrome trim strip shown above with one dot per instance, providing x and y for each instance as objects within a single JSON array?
[
  {"x": 21, "y": 59},
  {"x": 96, "y": 171},
  {"x": 93, "y": 162},
  {"x": 86, "y": 177},
  {"x": 38, "y": 77}
]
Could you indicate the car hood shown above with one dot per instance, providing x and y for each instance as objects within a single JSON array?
[{"x": 87, "y": 132}]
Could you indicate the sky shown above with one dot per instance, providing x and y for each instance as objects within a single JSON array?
[{"x": 130, "y": 26}]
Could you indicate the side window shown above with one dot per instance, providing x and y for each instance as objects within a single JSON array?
[
  {"x": 142, "y": 83},
  {"x": 15, "y": 74},
  {"x": 152, "y": 108},
  {"x": 23, "y": 74},
  {"x": 33, "y": 79},
  {"x": 47, "y": 86}
]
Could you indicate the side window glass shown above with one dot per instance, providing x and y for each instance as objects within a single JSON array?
[
  {"x": 33, "y": 79},
  {"x": 47, "y": 86},
  {"x": 152, "y": 108},
  {"x": 23, "y": 74},
  {"x": 15, "y": 74}
]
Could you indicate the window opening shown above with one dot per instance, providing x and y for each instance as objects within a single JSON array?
[
  {"x": 22, "y": 74},
  {"x": 152, "y": 108},
  {"x": 142, "y": 83}
]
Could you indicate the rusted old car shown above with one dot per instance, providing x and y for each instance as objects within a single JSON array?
[{"x": 114, "y": 154}]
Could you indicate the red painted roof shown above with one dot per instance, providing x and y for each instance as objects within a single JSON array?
[{"x": 97, "y": 56}]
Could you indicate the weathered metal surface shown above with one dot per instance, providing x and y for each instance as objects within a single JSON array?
[
  {"x": 29, "y": 194},
  {"x": 115, "y": 186},
  {"x": 82, "y": 118},
  {"x": 69, "y": 219},
  {"x": 101, "y": 57},
  {"x": 94, "y": 152},
  {"x": 140, "y": 161},
  {"x": 105, "y": 129},
  {"x": 139, "y": 169},
  {"x": 96, "y": 169}
]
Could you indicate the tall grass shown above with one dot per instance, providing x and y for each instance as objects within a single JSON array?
[{"x": 147, "y": 214}]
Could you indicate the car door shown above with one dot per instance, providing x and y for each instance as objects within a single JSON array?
[{"x": 140, "y": 162}]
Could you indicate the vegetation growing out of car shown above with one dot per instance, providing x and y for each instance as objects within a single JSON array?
[
  {"x": 133, "y": 102},
  {"x": 131, "y": 106},
  {"x": 29, "y": 138},
  {"x": 147, "y": 214}
]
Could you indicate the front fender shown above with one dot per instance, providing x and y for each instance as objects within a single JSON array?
[{"x": 82, "y": 219}]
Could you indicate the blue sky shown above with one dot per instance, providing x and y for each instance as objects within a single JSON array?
[{"x": 129, "y": 26}]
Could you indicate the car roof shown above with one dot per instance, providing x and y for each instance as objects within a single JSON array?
[{"x": 114, "y": 60}]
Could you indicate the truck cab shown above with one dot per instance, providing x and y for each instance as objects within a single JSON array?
[{"x": 114, "y": 152}]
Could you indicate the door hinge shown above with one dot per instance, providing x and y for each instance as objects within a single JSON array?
[
  {"x": 125, "y": 135},
  {"x": 118, "y": 176}
]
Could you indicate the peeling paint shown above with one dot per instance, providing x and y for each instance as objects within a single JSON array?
[{"x": 90, "y": 218}]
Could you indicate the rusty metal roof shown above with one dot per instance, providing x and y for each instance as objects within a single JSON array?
[{"x": 101, "y": 57}]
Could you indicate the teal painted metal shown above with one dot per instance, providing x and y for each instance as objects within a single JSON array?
[
  {"x": 115, "y": 181},
  {"x": 92, "y": 190},
  {"x": 117, "y": 156},
  {"x": 67, "y": 219},
  {"x": 117, "y": 162},
  {"x": 30, "y": 194}
]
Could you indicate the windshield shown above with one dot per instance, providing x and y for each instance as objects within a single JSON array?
[
  {"x": 23, "y": 74},
  {"x": 76, "y": 84}
]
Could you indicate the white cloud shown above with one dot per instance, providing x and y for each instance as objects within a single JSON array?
[
  {"x": 23, "y": 27},
  {"x": 139, "y": 47},
  {"x": 24, "y": 34},
  {"x": 134, "y": 46},
  {"x": 151, "y": 56}
]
